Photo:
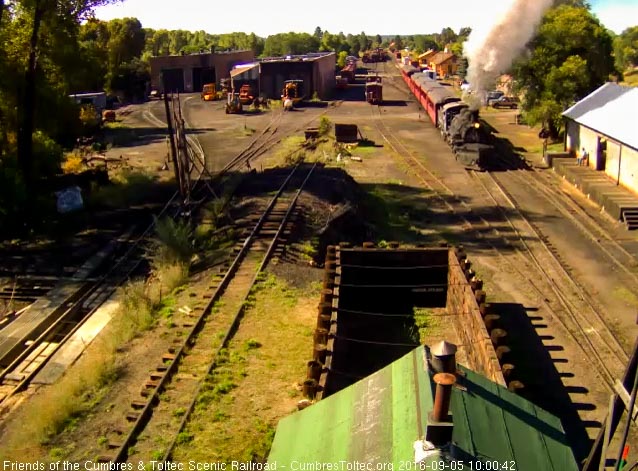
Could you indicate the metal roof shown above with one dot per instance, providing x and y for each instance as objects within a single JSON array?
[
  {"x": 612, "y": 110},
  {"x": 240, "y": 69},
  {"x": 442, "y": 95},
  {"x": 409, "y": 69},
  {"x": 379, "y": 419},
  {"x": 311, "y": 56},
  {"x": 428, "y": 53}
]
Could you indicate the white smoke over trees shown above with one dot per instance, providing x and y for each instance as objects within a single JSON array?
[{"x": 491, "y": 50}]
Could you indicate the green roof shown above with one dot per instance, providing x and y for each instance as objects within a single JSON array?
[{"x": 379, "y": 419}]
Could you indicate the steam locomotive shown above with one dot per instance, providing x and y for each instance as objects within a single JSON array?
[{"x": 459, "y": 124}]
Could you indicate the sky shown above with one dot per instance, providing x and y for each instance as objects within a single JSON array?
[{"x": 265, "y": 17}]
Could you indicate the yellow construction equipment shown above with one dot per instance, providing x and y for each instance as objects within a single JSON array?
[
  {"x": 293, "y": 90},
  {"x": 233, "y": 105},
  {"x": 209, "y": 92}
]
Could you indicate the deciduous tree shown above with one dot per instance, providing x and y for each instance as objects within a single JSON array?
[
  {"x": 626, "y": 48},
  {"x": 569, "y": 58},
  {"x": 39, "y": 13}
]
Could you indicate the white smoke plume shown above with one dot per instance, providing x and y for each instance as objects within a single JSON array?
[{"x": 490, "y": 50}]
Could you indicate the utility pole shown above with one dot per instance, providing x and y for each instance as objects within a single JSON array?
[{"x": 171, "y": 135}]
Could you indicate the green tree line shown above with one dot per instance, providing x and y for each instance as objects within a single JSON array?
[{"x": 52, "y": 48}]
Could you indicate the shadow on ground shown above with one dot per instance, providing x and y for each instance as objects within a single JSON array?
[
  {"x": 133, "y": 137},
  {"x": 416, "y": 215},
  {"x": 535, "y": 356}
]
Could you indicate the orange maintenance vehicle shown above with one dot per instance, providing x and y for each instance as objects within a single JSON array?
[{"x": 209, "y": 92}]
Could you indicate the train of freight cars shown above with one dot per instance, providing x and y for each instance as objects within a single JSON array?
[{"x": 459, "y": 125}]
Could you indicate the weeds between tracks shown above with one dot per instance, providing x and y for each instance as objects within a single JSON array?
[{"x": 257, "y": 383}]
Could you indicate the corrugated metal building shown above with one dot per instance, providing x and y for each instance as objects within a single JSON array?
[
  {"x": 605, "y": 123},
  {"x": 188, "y": 73},
  {"x": 379, "y": 423},
  {"x": 317, "y": 70},
  {"x": 245, "y": 74}
]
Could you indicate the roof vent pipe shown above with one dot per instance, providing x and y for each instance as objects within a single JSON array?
[
  {"x": 442, "y": 396},
  {"x": 443, "y": 357}
]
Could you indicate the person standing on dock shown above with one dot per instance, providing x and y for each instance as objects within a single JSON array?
[{"x": 582, "y": 157}]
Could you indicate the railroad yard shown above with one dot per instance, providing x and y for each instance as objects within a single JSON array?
[{"x": 226, "y": 358}]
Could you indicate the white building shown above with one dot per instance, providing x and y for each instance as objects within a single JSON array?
[{"x": 605, "y": 123}]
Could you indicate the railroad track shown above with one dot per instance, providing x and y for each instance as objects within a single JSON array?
[
  {"x": 23, "y": 363},
  {"x": 26, "y": 289},
  {"x": 580, "y": 313},
  {"x": 27, "y": 360},
  {"x": 572, "y": 211},
  {"x": 82, "y": 297},
  {"x": 180, "y": 376},
  {"x": 265, "y": 139},
  {"x": 272, "y": 135},
  {"x": 391, "y": 80},
  {"x": 569, "y": 304},
  {"x": 569, "y": 209}
]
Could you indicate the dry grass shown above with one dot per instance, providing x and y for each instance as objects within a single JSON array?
[
  {"x": 59, "y": 407},
  {"x": 288, "y": 150},
  {"x": 626, "y": 296},
  {"x": 256, "y": 384},
  {"x": 172, "y": 276}
]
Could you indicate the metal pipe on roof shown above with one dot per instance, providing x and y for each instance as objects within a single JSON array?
[
  {"x": 442, "y": 396},
  {"x": 443, "y": 357}
]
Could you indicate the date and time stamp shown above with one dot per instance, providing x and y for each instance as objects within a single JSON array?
[
  {"x": 426, "y": 465},
  {"x": 337, "y": 465}
]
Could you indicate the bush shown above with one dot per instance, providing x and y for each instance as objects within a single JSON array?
[
  {"x": 89, "y": 119},
  {"x": 324, "y": 125},
  {"x": 47, "y": 155},
  {"x": 173, "y": 244}
]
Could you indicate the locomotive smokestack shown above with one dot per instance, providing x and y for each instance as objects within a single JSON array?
[{"x": 491, "y": 50}]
